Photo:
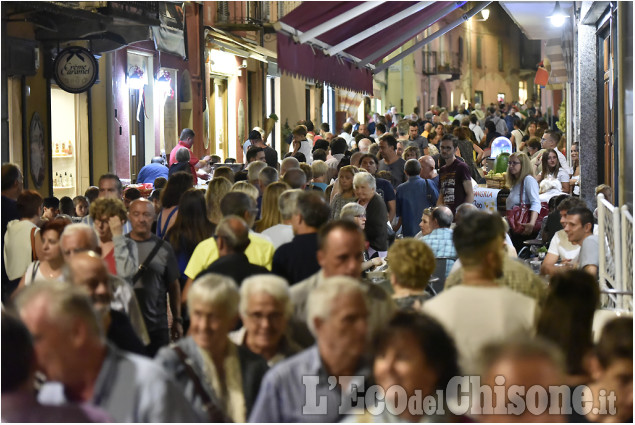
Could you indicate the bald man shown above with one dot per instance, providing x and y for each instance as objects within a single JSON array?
[
  {"x": 80, "y": 237},
  {"x": 363, "y": 145},
  {"x": 158, "y": 278},
  {"x": 232, "y": 239},
  {"x": 88, "y": 270},
  {"x": 428, "y": 171}
]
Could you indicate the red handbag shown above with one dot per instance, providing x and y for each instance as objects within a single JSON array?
[{"x": 521, "y": 214}]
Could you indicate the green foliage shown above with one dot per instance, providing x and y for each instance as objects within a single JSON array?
[{"x": 562, "y": 114}]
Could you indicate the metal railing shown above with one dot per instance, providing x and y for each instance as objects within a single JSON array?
[
  {"x": 441, "y": 63},
  {"x": 627, "y": 257},
  {"x": 615, "y": 255},
  {"x": 243, "y": 12}
]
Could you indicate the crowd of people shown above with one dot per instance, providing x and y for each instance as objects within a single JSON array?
[{"x": 357, "y": 268}]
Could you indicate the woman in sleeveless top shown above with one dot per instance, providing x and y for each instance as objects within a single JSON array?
[
  {"x": 177, "y": 185},
  {"x": 51, "y": 261}
]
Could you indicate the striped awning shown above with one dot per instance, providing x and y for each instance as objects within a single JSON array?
[{"x": 345, "y": 43}]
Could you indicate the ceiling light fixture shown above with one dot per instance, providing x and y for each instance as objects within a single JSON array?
[{"x": 558, "y": 17}]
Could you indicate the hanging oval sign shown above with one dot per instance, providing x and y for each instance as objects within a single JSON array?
[{"x": 75, "y": 69}]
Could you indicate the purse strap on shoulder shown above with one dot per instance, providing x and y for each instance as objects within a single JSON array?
[{"x": 212, "y": 410}]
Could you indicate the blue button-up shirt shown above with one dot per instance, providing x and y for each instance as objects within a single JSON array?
[
  {"x": 413, "y": 197},
  {"x": 440, "y": 241},
  {"x": 299, "y": 390}
]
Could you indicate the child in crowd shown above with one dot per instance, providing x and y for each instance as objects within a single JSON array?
[{"x": 81, "y": 206}]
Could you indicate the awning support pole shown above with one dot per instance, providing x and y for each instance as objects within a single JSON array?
[
  {"x": 480, "y": 6},
  {"x": 379, "y": 27},
  {"x": 395, "y": 44},
  {"x": 338, "y": 20}
]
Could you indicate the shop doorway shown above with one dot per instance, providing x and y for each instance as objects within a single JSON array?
[
  {"x": 137, "y": 132},
  {"x": 218, "y": 117},
  {"x": 69, "y": 138}
]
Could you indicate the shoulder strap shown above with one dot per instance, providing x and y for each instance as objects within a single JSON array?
[
  {"x": 158, "y": 230},
  {"x": 164, "y": 231},
  {"x": 146, "y": 262},
  {"x": 36, "y": 267},
  {"x": 210, "y": 407},
  {"x": 33, "y": 252},
  {"x": 522, "y": 189}
]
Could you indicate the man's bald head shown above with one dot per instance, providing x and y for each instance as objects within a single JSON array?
[
  {"x": 427, "y": 167},
  {"x": 143, "y": 203},
  {"x": 232, "y": 234},
  {"x": 364, "y": 145},
  {"x": 287, "y": 164},
  {"x": 87, "y": 269}
]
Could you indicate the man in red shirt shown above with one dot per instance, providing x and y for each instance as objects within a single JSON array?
[{"x": 186, "y": 141}]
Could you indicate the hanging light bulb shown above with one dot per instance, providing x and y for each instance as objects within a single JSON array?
[
  {"x": 135, "y": 78},
  {"x": 558, "y": 16}
]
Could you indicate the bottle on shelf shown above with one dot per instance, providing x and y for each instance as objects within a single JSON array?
[
  {"x": 71, "y": 183},
  {"x": 57, "y": 148},
  {"x": 69, "y": 150},
  {"x": 56, "y": 180},
  {"x": 63, "y": 149}
]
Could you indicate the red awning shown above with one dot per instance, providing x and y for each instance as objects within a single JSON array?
[{"x": 369, "y": 31}]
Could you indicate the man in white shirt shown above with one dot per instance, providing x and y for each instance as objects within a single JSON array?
[
  {"x": 560, "y": 247},
  {"x": 550, "y": 141},
  {"x": 479, "y": 311},
  {"x": 347, "y": 134},
  {"x": 478, "y": 131},
  {"x": 283, "y": 233},
  {"x": 579, "y": 228}
]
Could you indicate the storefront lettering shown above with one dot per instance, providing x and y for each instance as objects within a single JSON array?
[{"x": 75, "y": 70}]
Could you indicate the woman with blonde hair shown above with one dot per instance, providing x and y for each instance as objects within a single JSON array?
[
  {"x": 216, "y": 189},
  {"x": 346, "y": 192},
  {"x": 524, "y": 190},
  {"x": 411, "y": 263},
  {"x": 271, "y": 214},
  {"x": 246, "y": 187},
  {"x": 411, "y": 152}
]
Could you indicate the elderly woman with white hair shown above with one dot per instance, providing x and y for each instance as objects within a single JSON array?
[
  {"x": 357, "y": 213},
  {"x": 182, "y": 163},
  {"x": 376, "y": 229},
  {"x": 265, "y": 308},
  {"x": 338, "y": 317},
  {"x": 220, "y": 379}
]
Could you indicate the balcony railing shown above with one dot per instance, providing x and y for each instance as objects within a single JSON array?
[
  {"x": 436, "y": 63},
  {"x": 142, "y": 12},
  {"x": 243, "y": 12}
]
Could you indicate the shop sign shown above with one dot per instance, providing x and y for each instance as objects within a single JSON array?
[
  {"x": 75, "y": 69},
  {"x": 485, "y": 198}
]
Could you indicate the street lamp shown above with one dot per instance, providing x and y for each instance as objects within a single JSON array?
[{"x": 558, "y": 16}]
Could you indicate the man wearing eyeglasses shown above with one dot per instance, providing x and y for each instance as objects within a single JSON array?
[
  {"x": 550, "y": 141},
  {"x": 455, "y": 179},
  {"x": 79, "y": 238}
]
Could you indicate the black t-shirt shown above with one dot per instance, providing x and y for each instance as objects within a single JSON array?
[{"x": 123, "y": 335}]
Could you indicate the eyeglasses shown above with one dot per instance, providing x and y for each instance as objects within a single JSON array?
[
  {"x": 429, "y": 210},
  {"x": 513, "y": 163},
  {"x": 272, "y": 317}
]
